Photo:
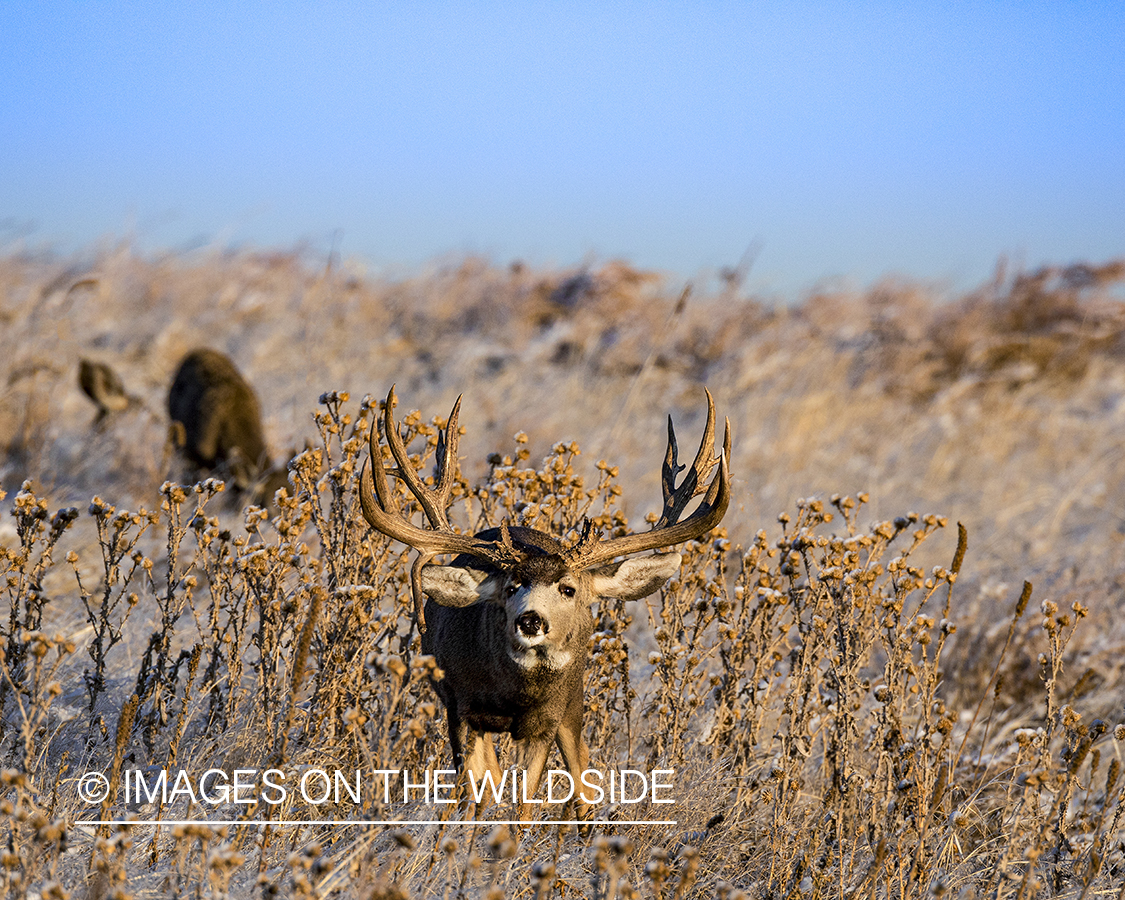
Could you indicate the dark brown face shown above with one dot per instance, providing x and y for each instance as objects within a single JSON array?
[{"x": 539, "y": 568}]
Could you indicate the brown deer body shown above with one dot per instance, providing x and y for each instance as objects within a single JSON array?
[
  {"x": 509, "y": 621},
  {"x": 216, "y": 417}
]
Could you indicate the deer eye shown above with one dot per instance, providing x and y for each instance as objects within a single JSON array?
[
  {"x": 511, "y": 589},
  {"x": 566, "y": 590}
]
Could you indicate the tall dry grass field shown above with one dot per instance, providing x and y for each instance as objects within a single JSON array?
[{"x": 895, "y": 670}]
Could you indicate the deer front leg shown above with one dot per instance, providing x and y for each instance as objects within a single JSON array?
[
  {"x": 474, "y": 757},
  {"x": 531, "y": 760},
  {"x": 481, "y": 759},
  {"x": 575, "y": 753}
]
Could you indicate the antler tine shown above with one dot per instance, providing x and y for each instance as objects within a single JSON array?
[
  {"x": 387, "y": 501},
  {"x": 694, "y": 483},
  {"x": 726, "y": 438},
  {"x": 445, "y": 469},
  {"x": 393, "y": 524},
  {"x": 668, "y": 530},
  {"x": 384, "y": 514},
  {"x": 586, "y": 542},
  {"x": 671, "y": 468},
  {"x": 431, "y": 501}
]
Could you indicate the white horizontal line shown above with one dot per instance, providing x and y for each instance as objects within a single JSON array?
[{"x": 369, "y": 822}]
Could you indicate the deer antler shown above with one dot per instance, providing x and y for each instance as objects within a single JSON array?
[
  {"x": 383, "y": 513},
  {"x": 591, "y": 551}
]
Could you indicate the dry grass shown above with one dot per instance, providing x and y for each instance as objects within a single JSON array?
[{"x": 853, "y": 705}]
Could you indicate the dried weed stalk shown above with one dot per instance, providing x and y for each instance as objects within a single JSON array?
[{"x": 798, "y": 689}]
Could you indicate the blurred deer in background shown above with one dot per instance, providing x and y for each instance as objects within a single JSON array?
[
  {"x": 104, "y": 387},
  {"x": 216, "y": 423},
  {"x": 509, "y": 620}
]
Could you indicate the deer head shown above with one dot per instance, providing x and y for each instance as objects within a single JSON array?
[{"x": 499, "y": 552}]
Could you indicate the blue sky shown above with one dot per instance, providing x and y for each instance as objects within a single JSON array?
[{"x": 847, "y": 140}]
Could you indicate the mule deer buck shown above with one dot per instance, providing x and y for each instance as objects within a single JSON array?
[
  {"x": 217, "y": 424},
  {"x": 509, "y": 620}
]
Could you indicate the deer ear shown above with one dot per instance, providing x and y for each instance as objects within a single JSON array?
[
  {"x": 455, "y": 586},
  {"x": 635, "y": 578}
]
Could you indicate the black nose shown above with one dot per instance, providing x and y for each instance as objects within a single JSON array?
[{"x": 531, "y": 624}]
